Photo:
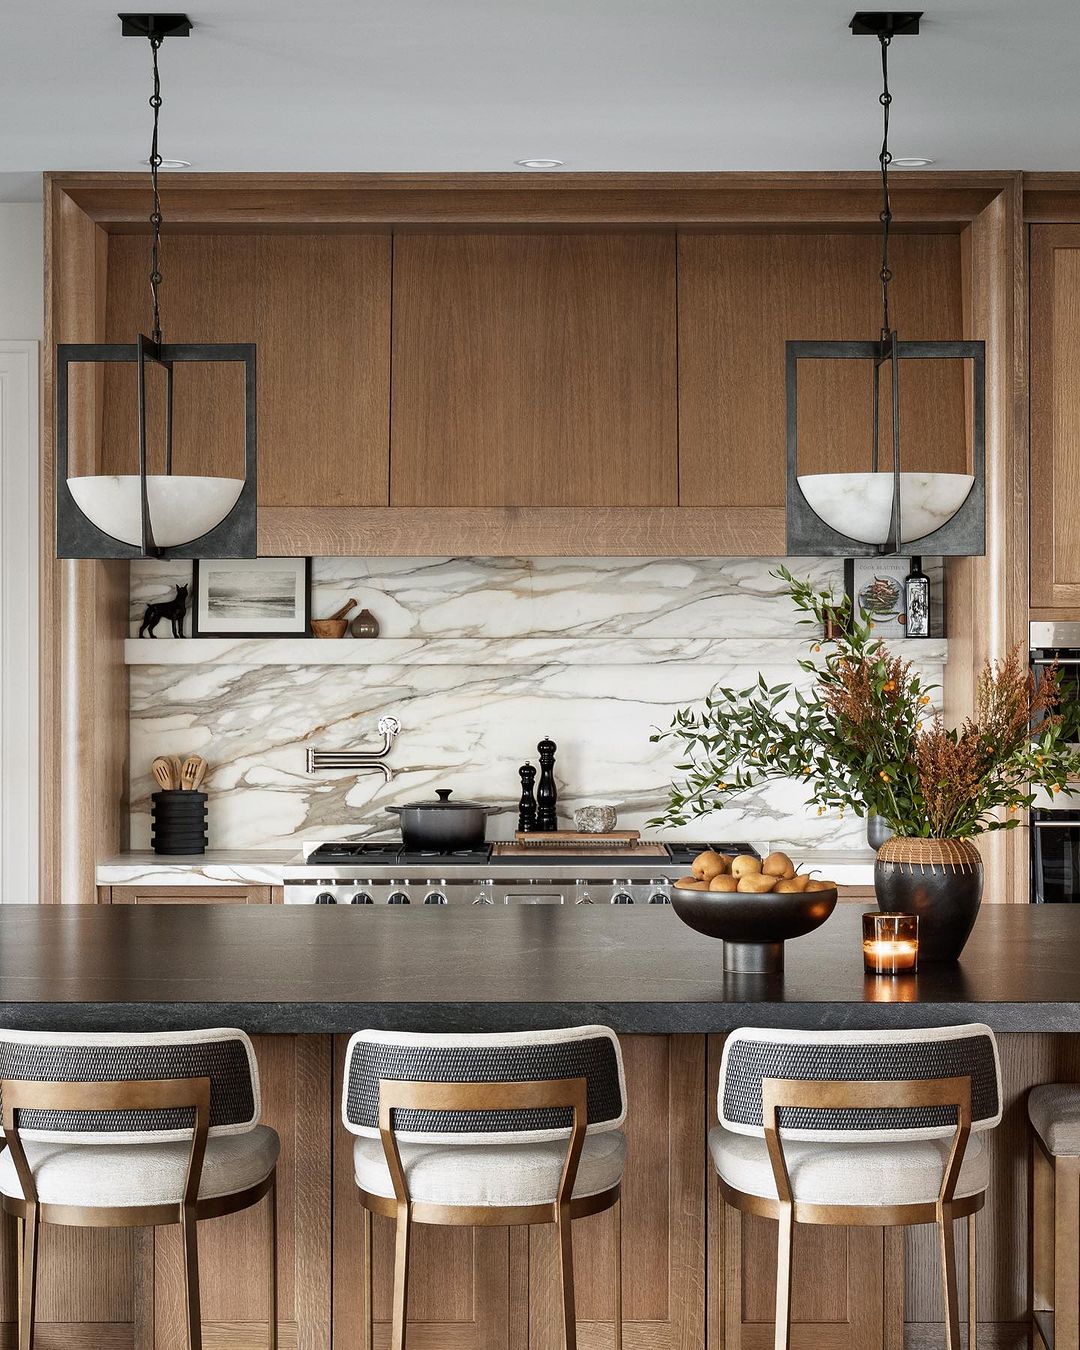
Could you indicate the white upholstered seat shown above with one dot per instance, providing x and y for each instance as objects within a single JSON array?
[
  {"x": 107, "y": 1175},
  {"x": 491, "y": 1174},
  {"x": 849, "y": 1174},
  {"x": 1054, "y": 1111}
]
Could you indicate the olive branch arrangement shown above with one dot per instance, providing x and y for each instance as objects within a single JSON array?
[{"x": 866, "y": 739}]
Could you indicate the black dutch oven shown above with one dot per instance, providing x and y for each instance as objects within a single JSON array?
[{"x": 443, "y": 826}]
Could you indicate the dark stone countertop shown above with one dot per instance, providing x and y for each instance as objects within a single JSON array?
[{"x": 325, "y": 969}]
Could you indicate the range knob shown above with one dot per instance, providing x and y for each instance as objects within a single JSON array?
[
  {"x": 361, "y": 898},
  {"x": 584, "y": 898},
  {"x": 486, "y": 896},
  {"x": 435, "y": 898},
  {"x": 622, "y": 898},
  {"x": 325, "y": 898},
  {"x": 398, "y": 898},
  {"x": 659, "y": 898}
]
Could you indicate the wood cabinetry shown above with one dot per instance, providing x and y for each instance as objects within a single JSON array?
[
  {"x": 318, "y": 309},
  {"x": 741, "y": 297},
  {"x": 186, "y": 895},
  {"x": 534, "y": 370},
  {"x": 1055, "y": 418}
]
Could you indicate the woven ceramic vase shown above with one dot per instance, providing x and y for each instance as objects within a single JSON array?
[{"x": 940, "y": 880}]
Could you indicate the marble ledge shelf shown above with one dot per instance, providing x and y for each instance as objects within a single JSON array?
[{"x": 491, "y": 651}]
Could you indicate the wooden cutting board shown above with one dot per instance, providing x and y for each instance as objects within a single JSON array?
[{"x": 578, "y": 836}]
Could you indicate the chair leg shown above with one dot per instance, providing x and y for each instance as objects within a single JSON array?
[
  {"x": 618, "y": 1274},
  {"x": 973, "y": 1286},
  {"x": 191, "y": 1278},
  {"x": 564, "y": 1234},
  {"x": 271, "y": 1201},
  {"x": 369, "y": 1283},
  {"x": 401, "y": 1278},
  {"x": 947, "y": 1242},
  {"x": 1066, "y": 1238},
  {"x": 784, "y": 1241},
  {"x": 28, "y": 1287}
]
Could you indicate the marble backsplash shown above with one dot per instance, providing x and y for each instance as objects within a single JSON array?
[{"x": 468, "y": 726}]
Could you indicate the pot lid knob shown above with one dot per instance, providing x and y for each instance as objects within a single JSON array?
[{"x": 443, "y": 794}]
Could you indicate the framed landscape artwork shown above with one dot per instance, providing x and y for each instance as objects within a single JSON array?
[{"x": 251, "y": 597}]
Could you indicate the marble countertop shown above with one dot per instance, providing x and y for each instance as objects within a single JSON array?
[
  {"x": 263, "y": 867},
  {"x": 319, "y": 969}
]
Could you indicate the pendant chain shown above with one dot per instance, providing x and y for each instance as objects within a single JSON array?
[
  {"x": 155, "y": 214},
  {"x": 885, "y": 159}
]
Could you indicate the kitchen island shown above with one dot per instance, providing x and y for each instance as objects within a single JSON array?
[{"x": 299, "y": 978}]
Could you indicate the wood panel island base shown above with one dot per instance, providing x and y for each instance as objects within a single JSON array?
[{"x": 696, "y": 1275}]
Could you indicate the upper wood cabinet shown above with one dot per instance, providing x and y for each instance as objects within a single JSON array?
[
  {"x": 741, "y": 297},
  {"x": 1055, "y": 416},
  {"x": 318, "y": 308},
  {"x": 534, "y": 370}
]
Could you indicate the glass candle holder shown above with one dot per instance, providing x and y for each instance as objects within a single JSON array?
[{"x": 890, "y": 943}]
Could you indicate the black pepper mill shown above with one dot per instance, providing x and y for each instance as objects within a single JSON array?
[
  {"x": 547, "y": 794},
  {"x": 527, "y": 804}
]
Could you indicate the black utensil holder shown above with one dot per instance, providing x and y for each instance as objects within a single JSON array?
[{"x": 178, "y": 822}]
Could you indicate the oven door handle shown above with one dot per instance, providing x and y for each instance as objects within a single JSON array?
[
  {"x": 1055, "y": 660},
  {"x": 1055, "y": 824}
]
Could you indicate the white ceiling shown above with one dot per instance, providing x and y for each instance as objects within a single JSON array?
[{"x": 454, "y": 85}]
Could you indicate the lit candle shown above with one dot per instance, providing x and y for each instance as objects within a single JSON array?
[{"x": 890, "y": 943}]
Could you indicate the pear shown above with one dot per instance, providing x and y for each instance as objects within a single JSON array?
[
  {"x": 723, "y": 883},
  {"x": 799, "y": 882},
  {"x": 755, "y": 883},
  {"x": 745, "y": 865},
  {"x": 789, "y": 886},
  {"x": 707, "y": 865},
  {"x": 816, "y": 885},
  {"x": 778, "y": 865},
  {"x": 691, "y": 884}
]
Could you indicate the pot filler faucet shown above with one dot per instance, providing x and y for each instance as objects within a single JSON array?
[{"x": 359, "y": 760}]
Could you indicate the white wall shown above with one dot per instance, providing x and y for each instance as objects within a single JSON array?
[
  {"x": 22, "y": 324},
  {"x": 22, "y": 285}
]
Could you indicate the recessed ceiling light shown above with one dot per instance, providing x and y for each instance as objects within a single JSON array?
[
  {"x": 912, "y": 162},
  {"x": 171, "y": 163},
  {"x": 540, "y": 163}
]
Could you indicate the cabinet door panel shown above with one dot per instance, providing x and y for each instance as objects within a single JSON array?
[
  {"x": 741, "y": 297},
  {"x": 459, "y": 1277},
  {"x": 186, "y": 895},
  {"x": 1055, "y": 416},
  {"x": 533, "y": 370},
  {"x": 317, "y": 308},
  {"x": 663, "y": 1216}
]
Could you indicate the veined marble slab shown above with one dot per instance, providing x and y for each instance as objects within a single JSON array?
[
  {"x": 479, "y": 658},
  {"x": 522, "y": 651},
  {"x": 216, "y": 867}
]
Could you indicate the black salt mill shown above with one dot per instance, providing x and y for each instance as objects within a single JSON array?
[
  {"x": 527, "y": 804},
  {"x": 547, "y": 794}
]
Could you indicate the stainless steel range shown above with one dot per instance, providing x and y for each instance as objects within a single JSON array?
[{"x": 497, "y": 874}]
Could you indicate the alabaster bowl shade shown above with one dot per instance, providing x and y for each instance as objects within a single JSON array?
[
  {"x": 859, "y": 505},
  {"x": 183, "y": 507}
]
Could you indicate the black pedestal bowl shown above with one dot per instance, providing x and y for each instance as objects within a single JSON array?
[{"x": 753, "y": 927}]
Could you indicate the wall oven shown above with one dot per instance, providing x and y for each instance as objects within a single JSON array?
[{"x": 1055, "y": 822}]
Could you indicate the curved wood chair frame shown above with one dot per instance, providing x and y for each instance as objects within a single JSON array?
[
  {"x": 148, "y": 1094},
  {"x": 777, "y": 1093},
  {"x": 398, "y": 1095}
]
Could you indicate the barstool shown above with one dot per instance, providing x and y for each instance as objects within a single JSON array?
[
  {"x": 132, "y": 1130},
  {"x": 859, "y": 1128},
  {"x": 518, "y": 1128},
  {"x": 1054, "y": 1112}
]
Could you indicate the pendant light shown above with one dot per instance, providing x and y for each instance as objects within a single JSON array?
[
  {"x": 864, "y": 513},
  {"x": 148, "y": 514}
]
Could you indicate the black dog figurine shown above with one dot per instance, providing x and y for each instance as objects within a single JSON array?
[{"x": 173, "y": 610}]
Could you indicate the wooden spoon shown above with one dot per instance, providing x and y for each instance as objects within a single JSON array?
[
  {"x": 192, "y": 773},
  {"x": 174, "y": 764},
  {"x": 162, "y": 772}
]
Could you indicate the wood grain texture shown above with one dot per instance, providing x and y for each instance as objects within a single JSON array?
[
  {"x": 83, "y": 692},
  {"x": 1055, "y": 404},
  {"x": 185, "y": 895},
  {"x": 533, "y": 370},
  {"x": 741, "y": 297},
  {"x": 502, "y": 532},
  {"x": 318, "y": 310}
]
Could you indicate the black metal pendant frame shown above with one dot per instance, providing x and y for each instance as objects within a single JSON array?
[
  {"x": 76, "y": 535},
  {"x": 962, "y": 536}
]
